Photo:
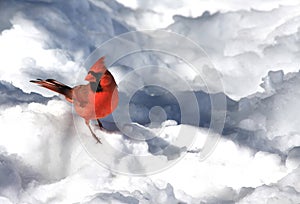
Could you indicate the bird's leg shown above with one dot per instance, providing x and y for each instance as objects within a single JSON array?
[
  {"x": 100, "y": 124},
  {"x": 87, "y": 122}
]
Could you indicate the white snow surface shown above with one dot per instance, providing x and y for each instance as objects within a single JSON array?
[{"x": 254, "y": 47}]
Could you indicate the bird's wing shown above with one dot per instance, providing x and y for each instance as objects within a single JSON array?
[{"x": 81, "y": 94}]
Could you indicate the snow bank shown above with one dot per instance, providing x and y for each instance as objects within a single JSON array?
[
  {"x": 161, "y": 13},
  {"x": 235, "y": 40},
  {"x": 269, "y": 121},
  {"x": 34, "y": 43},
  {"x": 48, "y": 156}
]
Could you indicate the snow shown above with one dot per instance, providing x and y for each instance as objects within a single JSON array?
[
  {"x": 234, "y": 40},
  {"x": 208, "y": 108},
  {"x": 293, "y": 158}
]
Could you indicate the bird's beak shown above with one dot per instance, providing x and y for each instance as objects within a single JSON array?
[{"x": 90, "y": 78}]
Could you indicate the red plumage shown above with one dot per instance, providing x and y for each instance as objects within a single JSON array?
[{"x": 92, "y": 101}]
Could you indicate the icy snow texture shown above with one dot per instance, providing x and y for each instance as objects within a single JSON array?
[
  {"x": 257, "y": 158},
  {"x": 235, "y": 40}
]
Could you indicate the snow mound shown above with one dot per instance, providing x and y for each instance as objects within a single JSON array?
[{"x": 47, "y": 158}]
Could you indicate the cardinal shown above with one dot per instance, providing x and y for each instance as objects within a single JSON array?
[{"x": 92, "y": 101}]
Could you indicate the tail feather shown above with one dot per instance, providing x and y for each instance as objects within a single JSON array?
[{"x": 55, "y": 86}]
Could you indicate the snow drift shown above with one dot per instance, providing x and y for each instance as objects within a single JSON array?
[{"x": 256, "y": 160}]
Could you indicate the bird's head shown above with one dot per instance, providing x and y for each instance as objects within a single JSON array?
[
  {"x": 100, "y": 78},
  {"x": 96, "y": 71}
]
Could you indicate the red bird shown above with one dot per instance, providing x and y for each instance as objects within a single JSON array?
[{"x": 92, "y": 101}]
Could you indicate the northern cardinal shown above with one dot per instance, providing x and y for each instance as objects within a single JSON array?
[{"x": 92, "y": 101}]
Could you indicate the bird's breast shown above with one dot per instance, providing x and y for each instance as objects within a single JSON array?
[
  {"x": 92, "y": 105},
  {"x": 105, "y": 103}
]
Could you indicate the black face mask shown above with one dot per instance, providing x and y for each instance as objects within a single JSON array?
[{"x": 95, "y": 86}]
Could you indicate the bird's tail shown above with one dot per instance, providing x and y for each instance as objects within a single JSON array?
[{"x": 56, "y": 86}]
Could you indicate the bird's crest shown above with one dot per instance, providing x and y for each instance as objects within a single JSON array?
[{"x": 99, "y": 66}]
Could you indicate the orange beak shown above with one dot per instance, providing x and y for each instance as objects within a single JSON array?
[{"x": 90, "y": 78}]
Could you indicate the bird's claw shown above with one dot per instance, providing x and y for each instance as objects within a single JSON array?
[
  {"x": 93, "y": 134},
  {"x": 97, "y": 139}
]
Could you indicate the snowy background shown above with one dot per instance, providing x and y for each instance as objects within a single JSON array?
[{"x": 47, "y": 154}]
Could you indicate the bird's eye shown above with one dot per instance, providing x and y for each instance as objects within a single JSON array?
[{"x": 96, "y": 75}]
